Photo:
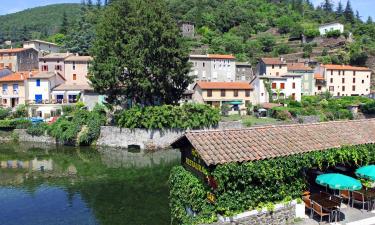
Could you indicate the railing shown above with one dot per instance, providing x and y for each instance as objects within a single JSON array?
[{"x": 53, "y": 101}]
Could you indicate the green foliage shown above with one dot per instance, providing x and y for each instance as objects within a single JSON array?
[
  {"x": 250, "y": 185},
  {"x": 68, "y": 109},
  {"x": 15, "y": 123},
  {"x": 167, "y": 116},
  {"x": 333, "y": 34},
  {"x": 21, "y": 111},
  {"x": 307, "y": 50},
  {"x": 151, "y": 49},
  {"x": 369, "y": 108},
  {"x": 94, "y": 121},
  {"x": 31, "y": 24},
  {"x": 38, "y": 129},
  {"x": 4, "y": 113}
]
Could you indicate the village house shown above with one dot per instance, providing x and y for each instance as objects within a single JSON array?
[
  {"x": 308, "y": 81},
  {"x": 244, "y": 71},
  {"x": 211, "y": 67},
  {"x": 187, "y": 29},
  {"x": 328, "y": 27},
  {"x": 19, "y": 59},
  {"x": 53, "y": 62},
  {"x": 43, "y": 47},
  {"x": 13, "y": 88},
  {"x": 39, "y": 94},
  {"x": 274, "y": 82},
  {"x": 235, "y": 94},
  {"x": 343, "y": 80}
]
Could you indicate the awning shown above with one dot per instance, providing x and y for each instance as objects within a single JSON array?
[
  {"x": 73, "y": 92},
  {"x": 58, "y": 92},
  {"x": 234, "y": 102}
]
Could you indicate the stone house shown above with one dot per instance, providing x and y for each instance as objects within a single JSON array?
[
  {"x": 187, "y": 29},
  {"x": 344, "y": 80},
  {"x": 235, "y": 94},
  {"x": 19, "y": 59},
  {"x": 244, "y": 71},
  {"x": 213, "y": 67},
  {"x": 43, "y": 47}
]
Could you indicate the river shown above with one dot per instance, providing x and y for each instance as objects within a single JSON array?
[{"x": 49, "y": 185}]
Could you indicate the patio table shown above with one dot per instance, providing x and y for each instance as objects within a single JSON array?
[{"x": 326, "y": 203}]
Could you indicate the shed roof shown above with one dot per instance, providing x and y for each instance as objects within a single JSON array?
[
  {"x": 298, "y": 67},
  {"x": 273, "y": 61},
  {"x": 345, "y": 67},
  {"x": 260, "y": 143}
]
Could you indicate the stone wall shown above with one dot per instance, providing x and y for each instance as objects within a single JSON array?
[
  {"x": 23, "y": 136},
  {"x": 280, "y": 216},
  {"x": 148, "y": 139}
]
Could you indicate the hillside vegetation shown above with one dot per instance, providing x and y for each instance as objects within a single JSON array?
[{"x": 36, "y": 23}]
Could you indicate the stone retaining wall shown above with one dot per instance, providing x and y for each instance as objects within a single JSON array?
[
  {"x": 23, "y": 136},
  {"x": 281, "y": 216},
  {"x": 147, "y": 139}
]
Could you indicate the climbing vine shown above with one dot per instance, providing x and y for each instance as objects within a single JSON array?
[
  {"x": 244, "y": 186},
  {"x": 267, "y": 85}
]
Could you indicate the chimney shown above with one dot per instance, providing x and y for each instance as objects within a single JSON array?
[
  {"x": 30, "y": 74},
  {"x": 21, "y": 76},
  {"x": 282, "y": 59},
  {"x": 67, "y": 53}
]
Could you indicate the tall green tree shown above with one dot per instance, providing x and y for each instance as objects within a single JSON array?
[
  {"x": 139, "y": 54},
  {"x": 348, "y": 12},
  {"x": 64, "y": 24},
  {"x": 369, "y": 20},
  {"x": 327, "y": 6},
  {"x": 340, "y": 9}
]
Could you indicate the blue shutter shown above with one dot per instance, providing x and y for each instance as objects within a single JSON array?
[
  {"x": 38, "y": 98},
  {"x": 38, "y": 83}
]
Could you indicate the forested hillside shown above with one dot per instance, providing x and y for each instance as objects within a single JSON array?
[
  {"x": 36, "y": 23},
  {"x": 248, "y": 29}
]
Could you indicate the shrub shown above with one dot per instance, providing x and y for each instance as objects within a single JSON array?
[
  {"x": 67, "y": 109},
  {"x": 283, "y": 115},
  {"x": 333, "y": 33},
  {"x": 311, "y": 33},
  {"x": 161, "y": 117},
  {"x": 64, "y": 130},
  {"x": 21, "y": 111},
  {"x": 4, "y": 113},
  {"x": 38, "y": 129},
  {"x": 7, "y": 123},
  {"x": 369, "y": 108},
  {"x": 15, "y": 123}
]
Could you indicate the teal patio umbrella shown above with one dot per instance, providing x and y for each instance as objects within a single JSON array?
[
  {"x": 367, "y": 172},
  {"x": 338, "y": 181}
]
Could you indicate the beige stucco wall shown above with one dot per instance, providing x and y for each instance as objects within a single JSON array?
[
  {"x": 362, "y": 82},
  {"x": 81, "y": 70},
  {"x": 10, "y": 93},
  {"x": 276, "y": 71}
]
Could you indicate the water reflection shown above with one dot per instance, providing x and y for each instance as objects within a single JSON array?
[{"x": 63, "y": 185}]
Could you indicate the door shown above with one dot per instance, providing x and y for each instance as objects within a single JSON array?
[
  {"x": 13, "y": 102},
  {"x": 38, "y": 98}
]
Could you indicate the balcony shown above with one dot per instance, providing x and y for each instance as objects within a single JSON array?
[{"x": 52, "y": 102}]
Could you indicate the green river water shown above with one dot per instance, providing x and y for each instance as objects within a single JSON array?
[{"x": 49, "y": 185}]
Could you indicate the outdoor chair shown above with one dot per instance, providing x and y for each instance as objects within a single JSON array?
[
  {"x": 345, "y": 194},
  {"x": 308, "y": 204},
  {"x": 325, "y": 194},
  {"x": 318, "y": 209},
  {"x": 358, "y": 198}
]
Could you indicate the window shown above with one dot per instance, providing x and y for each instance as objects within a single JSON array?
[
  {"x": 45, "y": 68},
  {"x": 277, "y": 73},
  {"x": 5, "y": 88},
  {"x": 273, "y": 85},
  {"x": 57, "y": 67},
  {"x": 319, "y": 88},
  {"x": 273, "y": 66},
  {"x": 343, "y": 80},
  {"x": 343, "y": 72},
  {"x": 38, "y": 83},
  {"x": 363, "y": 81},
  {"x": 15, "y": 88},
  {"x": 353, "y": 80},
  {"x": 282, "y": 85},
  {"x": 331, "y": 80},
  {"x": 247, "y": 93},
  {"x": 222, "y": 94},
  {"x": 74, "y": 76},
  {"x": 5, "y": 101},
  {"x": 235, "y": 94},
  {"x": 204, "y": 64},
  {"x": 293, "y": 96},
  {"x": 74, "y": 65},
  {"x": 280, "y": 67},
  {"x": 338, "y": 93},
  {"x": 339, "y": 72},
  {"x": 294, "y": 85},
  {"x": 331, "y": 72},
  {"x": 209, "y": 93},
  {"x": 353, "y": 73},
  {"x": 353, "y": 88},
  {"x": 331, "y": 88},
  {"x": 343, "y": 88}
]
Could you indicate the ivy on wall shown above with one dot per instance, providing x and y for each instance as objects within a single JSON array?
[{"x": 245, "y": 186}]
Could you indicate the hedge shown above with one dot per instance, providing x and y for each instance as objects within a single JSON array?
[
  {"x": 15, "y": 123},
  {"x": 245, "y": 186},
  {"x": 38, "y": 129},
  {"x": 168, "y": 116}
]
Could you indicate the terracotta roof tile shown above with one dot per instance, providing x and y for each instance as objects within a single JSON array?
[
  {"x": 224, "y": 146},
  {"x": 318, "y": 76},
  {"x": 273, "y": 61},
  {"x": 225, "y": 85},
  {"x": 345, "y": 67},
  {"x": 13, "y": 50},
  {"x": 298, "y": 67},
  {"x": 19, "y": 76},
  {"x": 218, "y": 56}
]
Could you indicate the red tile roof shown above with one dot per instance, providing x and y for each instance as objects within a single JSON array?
[
  {"x": 345, "y": 67},
  {"x": 19, "y": 76},
  {"x": 269, "y": 105},
  {"x": 260, "y": 143},
  {"x": 273, "y": 61},
  {"x": 318, "y": 76},
  {"x": 13, "y": 50},
  {"x": 298, "y": 66},
  {"x": 225, "y": 85},
  {"x": 217, "y": 56}
]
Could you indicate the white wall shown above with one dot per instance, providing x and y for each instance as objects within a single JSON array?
[
  {"x": 331, "y": 27},
  {"x": 44, "y": 89}
]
